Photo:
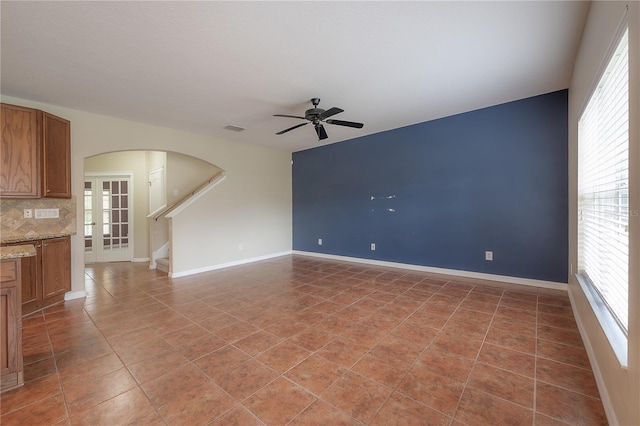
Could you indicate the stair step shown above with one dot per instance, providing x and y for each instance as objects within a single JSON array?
[{"x": 162, "y": 264}]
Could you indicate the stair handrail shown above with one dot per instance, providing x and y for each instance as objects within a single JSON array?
[{"x": 188, "y": 196}]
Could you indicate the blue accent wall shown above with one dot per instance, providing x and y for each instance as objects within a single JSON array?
[{"x": 441, "y": 193}]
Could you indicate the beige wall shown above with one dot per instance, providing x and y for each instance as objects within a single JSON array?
[
  {"x": 258, "y": 179},
  {"x": 184, "y": 174},
  {"x": 133, "y": 162},
  {"x": 619, "y": 386}
]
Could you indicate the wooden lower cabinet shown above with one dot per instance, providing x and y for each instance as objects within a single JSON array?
[
  {"x": 11, "y": 372},
  {"x": 46, "y": 277}
]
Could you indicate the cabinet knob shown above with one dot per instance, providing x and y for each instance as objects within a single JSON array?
[
  {"x": 38, "y": 245},
  {"x": 48, "y": 190}
]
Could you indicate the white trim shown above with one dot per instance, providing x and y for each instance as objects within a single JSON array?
[
  {"x": 140, "y": 259},
  {"x": 186, "y": 203},
  {"x": 595, "y": 367},
  {"x": 72, "y": 295},
  {"x": 228, "y": 264},
  {"x": 454, "y": 272},
  {"x": 103, "y": 174}
]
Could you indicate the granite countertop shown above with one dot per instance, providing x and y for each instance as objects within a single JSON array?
[
  {"x": 25, "y": 238},
  {"x": 12, "y": 252}
]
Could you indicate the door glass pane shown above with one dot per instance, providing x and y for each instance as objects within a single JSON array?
[
  {"x": 115, "y": 214},
  {"x": 88, "y": 216}
]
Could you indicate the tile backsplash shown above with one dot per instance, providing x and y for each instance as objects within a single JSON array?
[{"x": 13, "y": 225}]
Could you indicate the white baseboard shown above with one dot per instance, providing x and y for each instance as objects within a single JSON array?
[
  {"x": 228, "y": 264},
  {"x": 140, "y": 259},
  {"x": 597, "y": 373},
  {"x": 455, "y": 272},
  {"x": 71, "y": 295}
]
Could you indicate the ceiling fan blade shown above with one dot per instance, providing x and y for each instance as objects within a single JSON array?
[
  {"x": 290, "y": 116},
  {"x": 322, "y": 134},
  {"x": 328, "y": 113},
  {"x": 292, "y": 128},
  {"x": 346, "y": 123}
]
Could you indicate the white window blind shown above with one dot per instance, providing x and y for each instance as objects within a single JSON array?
[{"x": 603, "y": 186}]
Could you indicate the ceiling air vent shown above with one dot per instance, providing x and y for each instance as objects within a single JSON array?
[{"x": 234, "y": 128}]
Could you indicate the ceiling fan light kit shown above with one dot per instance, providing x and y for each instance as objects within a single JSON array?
[{"x": 317, "y": 116}]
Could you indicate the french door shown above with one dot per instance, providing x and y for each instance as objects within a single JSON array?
[{"x": 108, "y": 218}]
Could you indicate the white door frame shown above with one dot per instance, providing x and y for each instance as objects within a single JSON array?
[{"x": 96, "y": 203}]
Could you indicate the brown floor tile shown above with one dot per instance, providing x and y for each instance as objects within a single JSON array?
[
  {"x": 197, "y": 406},
  {"x": 320, "y": 414},
  {"x": 560, "y": 352},
  {"x": 220, "y": 361},
  {"x": 127, "y": 408},
  {"x": 246, "y": 379},
  {"x": 283, "y": 356},
  {"x": 144, "y": 350},
  {"x": 179, "y": 337},
  {"x": 146, "y": 370},
  {"x": 382, "y": 369},
  {"x": 509, "y": 340},
  {"x": 239, "y": 416},
  {"x": 201, "y": 346},
  {"x": 234, "y": 332},
  {"x": 439, "y": 392},
  {"x": 38, "y": 369},
  {"x": 560, "y": 335},
  {"x": 397, "y": 349},
  {"x": 279, "y": 402},
  {"x": 36, "y": 353},
  {"x": 508, "y": 359},
  {"x": 357, "y": 395},
  {"x": 567, "y": 376},
  {"x": 568, "y": 406},
  {"x": 415, "y": 334},
  {"x": 460, "y": 345},
  {"x": 558, "y": 321},
  {"x": 81, "y": 394},
  {"x": 343, "y": 352},
  {"x": 332, "y": 340},
  {"x": 445, "y": 364},
  {"x": 480, "y": 408},
  {"x": 173, "y": 384},
  {"x": 402, "y": 411},
  {"x": 311, "y": 339},
  {"x": 315, "y": 374},
  {"x": 504, "y": 384},
  {"x": 46, "y": 411}
]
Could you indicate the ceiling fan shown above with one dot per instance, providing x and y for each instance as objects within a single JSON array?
[{"x": 317, "y": 116}]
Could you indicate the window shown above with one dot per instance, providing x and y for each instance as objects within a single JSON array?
[{"x": 603, "y": 187}]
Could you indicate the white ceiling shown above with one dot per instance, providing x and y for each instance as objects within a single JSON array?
[{"x": 200, "y": 66}]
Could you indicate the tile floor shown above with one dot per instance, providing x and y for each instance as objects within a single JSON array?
[{"x": 301, "y": 341}]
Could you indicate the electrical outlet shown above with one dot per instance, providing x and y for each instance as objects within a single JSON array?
[
  {"x": 240, "y": 247},
  {"x": 488, "y": 255},
  {"x": 373, "y": 246},
  {"x": 28, "y": 213},
  {"x": 319, "y": 241}
]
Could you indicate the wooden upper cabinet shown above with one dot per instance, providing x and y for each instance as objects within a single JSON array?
[
  {"x": 55, "y": 157},
  {"x": 19, "y": 152},
  {"x": 35, "y": 154}
]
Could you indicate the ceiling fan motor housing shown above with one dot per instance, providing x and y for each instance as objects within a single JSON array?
[{"x": 313, "y": 114}]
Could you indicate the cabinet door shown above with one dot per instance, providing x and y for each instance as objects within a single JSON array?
[
  {"x": 10, "y": 325},
  {"x": 19, "y": 153},
  {"x": 56, "y": 157},
  {"x": 56, "y": 267},
  {"x": 31, "y": 292}
]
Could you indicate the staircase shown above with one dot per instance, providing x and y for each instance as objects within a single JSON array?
[
  {"x": 161, "y": 250},
  {"x": 163, "y": 264}
]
